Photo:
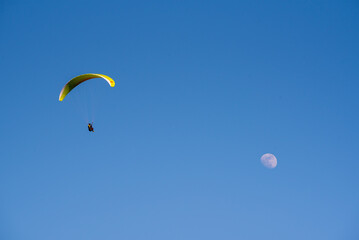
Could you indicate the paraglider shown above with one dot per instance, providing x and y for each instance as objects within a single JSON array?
[{"x": 80, "y": 79}]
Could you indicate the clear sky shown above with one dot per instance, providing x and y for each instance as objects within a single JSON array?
[{"x": 203, "y": 90}]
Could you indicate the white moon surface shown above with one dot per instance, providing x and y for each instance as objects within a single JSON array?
[{"x": 269, "y": 160}]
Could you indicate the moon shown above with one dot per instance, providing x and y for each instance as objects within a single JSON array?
[{"x": 269, "y": 160}]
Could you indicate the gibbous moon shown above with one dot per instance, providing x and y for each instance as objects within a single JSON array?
[{"x": 269, "y": 160}]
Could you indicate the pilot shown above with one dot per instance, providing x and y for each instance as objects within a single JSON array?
[{"x": 89, "y": 126}]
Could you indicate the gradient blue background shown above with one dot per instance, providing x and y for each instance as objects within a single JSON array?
[{"x": 203, "y": 89}]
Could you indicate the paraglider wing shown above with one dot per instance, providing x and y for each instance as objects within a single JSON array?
[{"x": 80, "y": 79}]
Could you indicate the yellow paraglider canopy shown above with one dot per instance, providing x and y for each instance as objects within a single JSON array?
[{"x": 80, "y": 79}]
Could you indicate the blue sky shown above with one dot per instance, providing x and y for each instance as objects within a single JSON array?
[{"x": 203, "y": 89}]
